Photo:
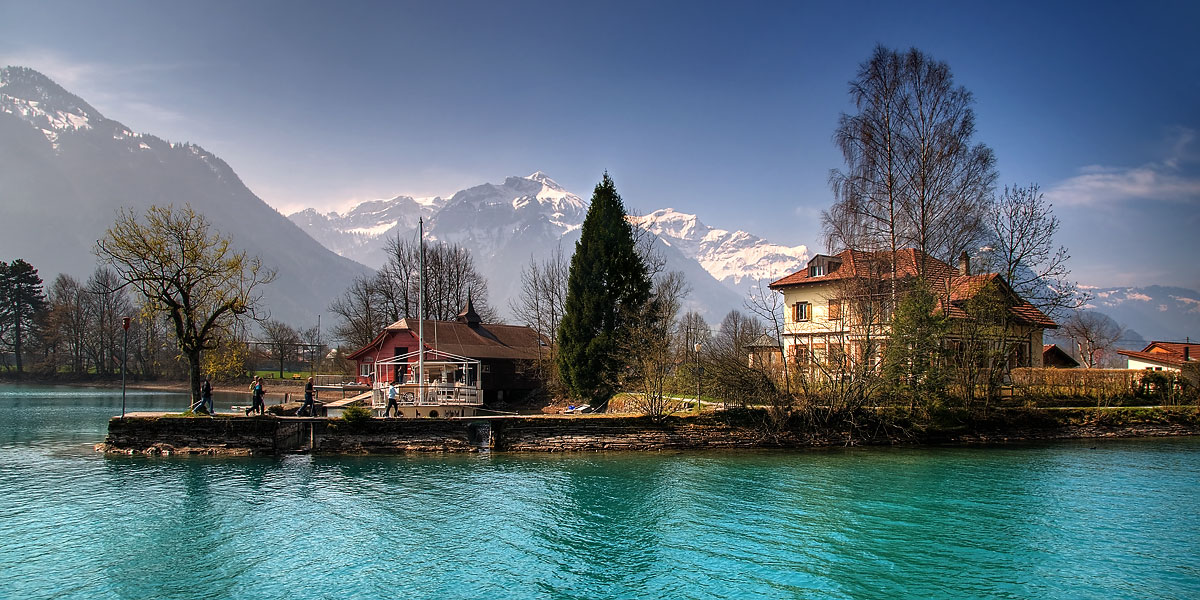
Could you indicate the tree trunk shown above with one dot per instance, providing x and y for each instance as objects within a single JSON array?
[
  {"x": 17, "y": 338},
  {"x": 193, "y": 357}
]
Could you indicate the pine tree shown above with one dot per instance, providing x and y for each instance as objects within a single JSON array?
[
  {"x": 22, "y": 304},
  {"x": 607, "y": 287}
]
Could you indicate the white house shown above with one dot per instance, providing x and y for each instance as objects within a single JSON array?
[
  {"x": 838, "y": 303},
  {"x": 1161, "y": 356}
]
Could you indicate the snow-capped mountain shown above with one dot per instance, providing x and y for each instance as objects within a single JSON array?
[
  {"x": 66, "y": 170},
  {"x": 737, "y": 259},
  {"x": 354, "y": 234},
  {"x": 506, "y": 224},
  {"x": 489, "y": 217}
]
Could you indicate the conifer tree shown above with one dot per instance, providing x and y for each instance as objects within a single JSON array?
[
  {"x": 22, "y": 303},
  {"x": 607, "y": 287},
  {"x": 914, "y": 358}
]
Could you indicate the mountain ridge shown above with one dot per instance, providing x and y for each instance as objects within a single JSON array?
[
  {"x": 67, "y": 170},
  {"x": 487, "y": 217}
]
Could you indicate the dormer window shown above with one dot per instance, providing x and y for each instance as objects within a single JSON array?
[{"x": 822, "y": 265}]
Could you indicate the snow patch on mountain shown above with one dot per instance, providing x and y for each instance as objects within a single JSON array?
[
  {"x": 505, "y": 224},
  {"x": 736, "y": 258}
]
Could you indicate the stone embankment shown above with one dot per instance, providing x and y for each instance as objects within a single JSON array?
[{"x": 236, "y": 435}]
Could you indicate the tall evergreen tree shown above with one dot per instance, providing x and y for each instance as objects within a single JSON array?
[
  {"x": 607, "y": 287},
  {"x": 22, "y": 304},
  {"x": 914, "y": 360}
]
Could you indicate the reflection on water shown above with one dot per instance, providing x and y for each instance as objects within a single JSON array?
[{"x": 1093, "y": 519}]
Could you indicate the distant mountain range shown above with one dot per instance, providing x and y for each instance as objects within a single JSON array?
[
  {"x": 505, "y": 225},
  {"x": 65, "y": 170}
]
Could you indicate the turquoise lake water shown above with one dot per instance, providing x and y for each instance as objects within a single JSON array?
[{"x": 1093, "y": 519}]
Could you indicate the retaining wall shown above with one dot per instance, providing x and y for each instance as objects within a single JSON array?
[{"x": 269, "y": 435}]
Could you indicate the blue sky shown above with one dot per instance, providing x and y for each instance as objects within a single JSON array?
[{"x": 721, "y": 109}]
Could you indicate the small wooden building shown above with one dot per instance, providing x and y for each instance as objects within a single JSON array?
[
  {"x": 1055, "y": 357},
  {"x": 766, "y": 351},
  {"x": 505, "y": 354}
]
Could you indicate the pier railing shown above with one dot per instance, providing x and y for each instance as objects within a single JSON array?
[{"x": 411, "y": 394}]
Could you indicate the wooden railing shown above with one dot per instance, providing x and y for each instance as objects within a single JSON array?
[{"x": 411, "y": 394}]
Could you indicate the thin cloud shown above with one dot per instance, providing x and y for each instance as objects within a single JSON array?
[
  {"x": 1101, "y": 186},
  {"x": 1166, "y": 181}
]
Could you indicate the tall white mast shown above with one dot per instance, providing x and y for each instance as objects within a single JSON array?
[{"x": 421, "y": 310}]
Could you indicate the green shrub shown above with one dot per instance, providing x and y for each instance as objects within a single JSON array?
[{"x": 356, "y": 416}]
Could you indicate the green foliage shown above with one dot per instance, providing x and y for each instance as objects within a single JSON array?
[
  {"x": 914, "y": 360},
  {"x": 607, "y": 287},
  {"x": 1165, "y": 387},
  {"x": 186, "y": 271},
  {"x": 22, "y": 306},
  {"x": 356, "y": 416},
  {"x": 982, "y": 346}
]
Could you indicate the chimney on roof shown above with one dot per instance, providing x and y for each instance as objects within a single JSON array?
[
  {"x": 964, "y": 264},
  {"x": 468, "y": 314}
]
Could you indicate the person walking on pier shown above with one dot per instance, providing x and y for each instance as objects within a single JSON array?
[
  {"x": 307, "y": 407},
  {"x": 392, "y": 402},
  {"x": 206, "y": 394},
  {"x": 257, "y": 389}
]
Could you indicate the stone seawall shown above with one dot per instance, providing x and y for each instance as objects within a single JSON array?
[
  {"x": 235, "y": 435},
  {"x": 271, "y": 436}
]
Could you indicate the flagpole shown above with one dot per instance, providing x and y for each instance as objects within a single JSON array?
[{"x": 421, "y": 313}]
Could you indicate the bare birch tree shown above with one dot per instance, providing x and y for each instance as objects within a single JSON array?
[
  {"x": 1021, "y": 228},
  {"x": 653, "y": 356},
  {"x": 1095, "y": 335},
  {"x": 540, "y": 306},
  {"x": 912, "y": 176}
]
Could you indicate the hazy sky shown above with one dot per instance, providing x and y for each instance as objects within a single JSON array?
[{"x": 721, "y": 109}]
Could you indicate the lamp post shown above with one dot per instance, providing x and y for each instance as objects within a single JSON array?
[
  {"x": 697, "y": 348},
  {"x": 124, "y": 359}
]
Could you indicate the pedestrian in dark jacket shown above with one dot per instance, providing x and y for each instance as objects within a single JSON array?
[{"x": 307, "y": 408}]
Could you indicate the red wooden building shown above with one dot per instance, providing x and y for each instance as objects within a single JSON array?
[{"x": 505, "y": 354}]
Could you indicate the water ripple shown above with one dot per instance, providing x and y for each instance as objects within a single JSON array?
[{"x": 1096, "y": 520}]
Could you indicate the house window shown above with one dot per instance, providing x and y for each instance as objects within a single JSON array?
[
  {"x": 835, "y": 309},
  {"x": 800, "y": 311},
  {"x": 816, "y": 270}
]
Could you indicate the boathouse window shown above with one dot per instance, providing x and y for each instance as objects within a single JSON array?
[
  {"x": 364, "y": 369},
  {"x": 801, "y": 311}
]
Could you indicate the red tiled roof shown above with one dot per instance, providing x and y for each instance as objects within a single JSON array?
[
  {"x": 1031, "y": 315},
  {"x": 1167, "y": 353},
  {"x": 858, "y": 263},
  {"x": 855, "y": 263},
  {"x": 482, "y": 341}
]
